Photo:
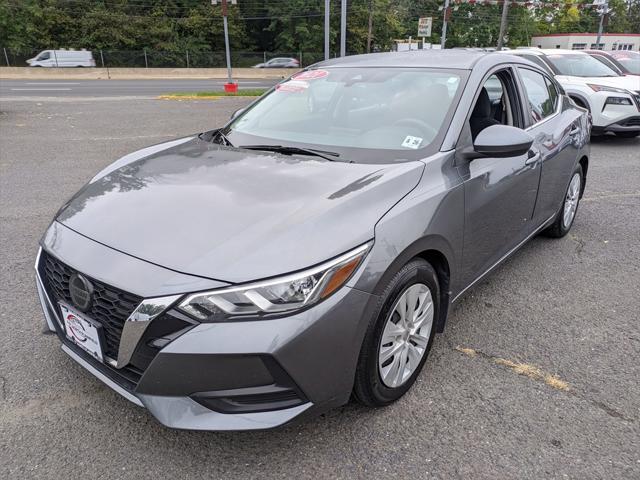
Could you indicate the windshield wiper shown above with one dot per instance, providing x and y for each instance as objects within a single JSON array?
[{"x": 294, "y": 150}]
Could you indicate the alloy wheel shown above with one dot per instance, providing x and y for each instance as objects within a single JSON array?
[
  {"x": 406, "y": 335},
  {"x": 571, "y": 200}
]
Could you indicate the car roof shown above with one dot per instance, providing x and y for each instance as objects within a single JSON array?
[
  {"x": 463, "y": 59},
  {"x": 625, "y": 53},
  {"x": 450, "y": 58},
  {"x": 547, "y": 51}
]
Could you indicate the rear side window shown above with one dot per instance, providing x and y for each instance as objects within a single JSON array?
[
  {"x": 541, "y": 94},
  {"x": 553, "y": 94}
]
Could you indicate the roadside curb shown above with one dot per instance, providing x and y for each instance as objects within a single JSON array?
[{"x": 33, "y": 73}]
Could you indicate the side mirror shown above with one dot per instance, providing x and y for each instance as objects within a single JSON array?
[
  {"x": 501, "y": 141},
  {"x": 236, "y": 113}
]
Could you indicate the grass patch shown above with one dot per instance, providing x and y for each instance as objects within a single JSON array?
[{"x": 242, "y": 92}]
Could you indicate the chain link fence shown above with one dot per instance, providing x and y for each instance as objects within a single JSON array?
[{"x": 167, "y": 59}]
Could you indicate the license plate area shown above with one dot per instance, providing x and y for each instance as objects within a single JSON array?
[{"x": 85, "y": 332}]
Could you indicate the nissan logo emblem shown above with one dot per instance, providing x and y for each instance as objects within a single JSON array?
[{"x": 81, "y": 291}]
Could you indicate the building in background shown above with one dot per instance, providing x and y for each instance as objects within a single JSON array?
[{"x": 587, "y": 41}]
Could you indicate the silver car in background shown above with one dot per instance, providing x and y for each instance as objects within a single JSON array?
[{"x": 279, "y": 62}]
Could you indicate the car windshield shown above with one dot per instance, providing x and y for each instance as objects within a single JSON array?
[
  {"x": 368, "y": 115},
  {"x": 631, "y": 63},
  {"x": 580, "y": 65}
]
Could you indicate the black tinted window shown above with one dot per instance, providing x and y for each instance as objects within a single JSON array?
[{"x": 553, "y": 94}]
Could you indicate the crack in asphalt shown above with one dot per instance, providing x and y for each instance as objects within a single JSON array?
[
  {"x": 537, "y": 374},
  {"x": 580, "y": 243},
  {"x": 3, "y": 387}
]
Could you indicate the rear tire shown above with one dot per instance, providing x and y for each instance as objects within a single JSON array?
[
  {"x": 382, "y": 377},
  {"x": 569, "y": 208}
]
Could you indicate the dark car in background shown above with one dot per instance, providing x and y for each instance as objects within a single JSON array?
[{"x": 310, "y": 249}]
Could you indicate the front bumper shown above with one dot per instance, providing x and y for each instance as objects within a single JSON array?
[
  {"x": 630, "y": 124},
  {"x": 232, "y": 376}
]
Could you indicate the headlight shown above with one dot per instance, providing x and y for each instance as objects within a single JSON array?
[
  {"x": 284, "y": 294},
  {"x": 603, "y": 88}
]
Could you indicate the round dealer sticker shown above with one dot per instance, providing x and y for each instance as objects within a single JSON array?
[{"x": 311, "y": 75}]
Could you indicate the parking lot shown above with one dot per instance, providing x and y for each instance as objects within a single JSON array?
[{"x": 536, "y": 375}]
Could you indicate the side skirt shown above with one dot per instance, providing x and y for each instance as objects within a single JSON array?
[{"x": 542, "y": 226}]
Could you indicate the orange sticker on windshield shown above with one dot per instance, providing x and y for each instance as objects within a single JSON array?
[
  {"x": 311, "y": 75},
  {"x": 293, "y": 86}
]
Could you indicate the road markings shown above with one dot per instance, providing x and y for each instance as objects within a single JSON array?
[
  {"x": 52, "y": 83},
  {"x": 41, "y": 89}
]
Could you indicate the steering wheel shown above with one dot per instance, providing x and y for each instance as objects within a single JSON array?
[{"x": 419, "y": 124}]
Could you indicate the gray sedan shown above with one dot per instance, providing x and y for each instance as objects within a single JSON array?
[{"x": 311, "y": 248}]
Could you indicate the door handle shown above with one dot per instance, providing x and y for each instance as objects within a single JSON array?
[
  {"x": 574, "y": 131},
  {"x": 532, "y": 157}
]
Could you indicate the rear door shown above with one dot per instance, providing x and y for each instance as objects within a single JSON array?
[{"x": 556, "y": 128}]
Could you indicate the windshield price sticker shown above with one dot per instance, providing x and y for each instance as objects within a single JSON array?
[
  {"x": 292, "y": 86},
  {"x": 412, "y": 142},
  {"x": 311, "y": 75}
]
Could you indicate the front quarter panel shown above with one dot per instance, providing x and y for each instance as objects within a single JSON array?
[{"x": 431, "y": 217}]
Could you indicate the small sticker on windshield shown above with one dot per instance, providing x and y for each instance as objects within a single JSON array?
[{"x": 412, "y": 142}]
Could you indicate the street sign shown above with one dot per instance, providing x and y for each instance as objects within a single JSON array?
[{"x": 424, "y": 26}]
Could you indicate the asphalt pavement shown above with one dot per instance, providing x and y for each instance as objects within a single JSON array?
[
  {"x": 117, "y": 88},
  {"x": 536, "y": 375}
]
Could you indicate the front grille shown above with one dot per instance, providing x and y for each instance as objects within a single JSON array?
[
  {"x": 111, "y": 306},
  {"x": 632, "y": 122}
]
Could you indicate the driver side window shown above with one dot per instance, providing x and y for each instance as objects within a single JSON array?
[{"x": 496, "y": 104}]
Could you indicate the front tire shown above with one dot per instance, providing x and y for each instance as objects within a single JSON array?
[
  {"x": 567, "y": 214},
  {"x": 400, "y": 335}
]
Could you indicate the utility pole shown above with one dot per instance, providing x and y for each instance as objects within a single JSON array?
[
  {"x": 503, "y": 23},
  {"x": 327, "y": 27},
  {"x": 369, "y": 33},
  {"x": 445, "y": 19},
  {"x": 343, "y": 28},
  {"x": 604, "y": 10},
  {"x": 226, "y": 36}
]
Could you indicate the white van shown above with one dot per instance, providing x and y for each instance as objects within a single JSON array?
[{"x": 63, "y": 58}]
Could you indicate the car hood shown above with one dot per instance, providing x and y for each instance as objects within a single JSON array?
[
  {"x": 235, "y": 215},
  {"x": 626, "y": 82}
]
